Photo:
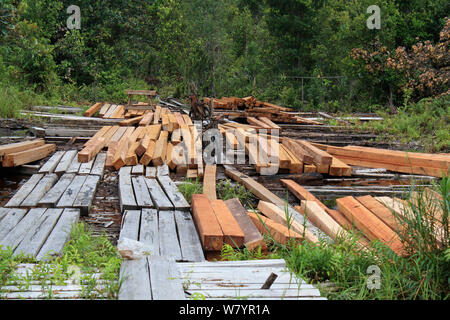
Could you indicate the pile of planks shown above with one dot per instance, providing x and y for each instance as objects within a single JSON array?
[
  {"x": 261, "y": 143},
  {"x": 436, "y": 165},
  {"x": 161, "y": 137},
  {"x": 114, "y": 111},
  {"x": 251, "y": 107},
  {"x": 16, "y": 154},
  {"x": 374, "y": 218}
]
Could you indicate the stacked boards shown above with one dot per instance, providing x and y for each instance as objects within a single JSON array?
[
  {"x": 114, "y": 111},
  {"x": 16, "y": 154}
]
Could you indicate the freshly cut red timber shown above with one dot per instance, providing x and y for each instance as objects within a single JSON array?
[
  {"x": 297, "y": 150},
  {"x": 277, "y": 231},
  {"x": 27, "y": 156},
  {"x": 20, "y": 146},
  {"x": 372, "y": 226},
  {"x": 89, "y": 152},
  {"x": 252, "y": 237},
  {"x": 232, "y": 232},
  {"x": 159, "y": 154},
  {"x": 381, "y": 211},
  {"x": 208, "y": 226},
  {"x": 93, "y": 110},
  {"x": 320, "y": 157}
]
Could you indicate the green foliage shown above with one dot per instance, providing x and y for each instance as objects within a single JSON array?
[
  {"x": 226, "y": 190},
  {"x": 190, "y": 187}
]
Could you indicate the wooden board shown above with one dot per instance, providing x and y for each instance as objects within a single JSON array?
[
  {"x": 85, "y": 168},
  {"x": 232, "y": 232},
  {"x": 60, "y": 234},
  {"x": 126, "y": 193},
  {"x": 381, "y": 211},
  {"x": 36, "y": 237},
  {"x": 297, "y": 150},
  {"x": 279, "y": 216},
  {"x": 93, "y": 109},
  {"x": 320, "y": 218},
  {"x": 74, "y": 166},
  {"x": 173, "y": 193},
  {"x": 85, "y": 197},
  {"x": 51, "y": 198},
  {"x": 10, "y": 220},
  {"x": 68, "y": 197},
  {"x": 276, "y": 231},
  {"x": 209, "y": 182},
  {"x": 130, "y": 225},
  {"x": 208, "y": 227},
  {"x": 369, "y": 223},
  {"x": 66, "y": 161},
  {"x": 28, "y": 156},
  {"x": 190, "y": 245},
  {"x": 168, "y": 239},
  {"x": 320, "y": 157},
  {"x": 160, "y": 199},
  {"x": 164, "y": 277},
  {"x": 24, "y": 191},
  {"x": 159, "y": 154},
  {"x": 98, "y": 167},
  {"x": 149, "y": 231},
  {"x": 135, "y": 280},
  {"x": 252, "y": 237},
  {"x": 20, "y": 146},
  {"x": 44, "y": 185},
  {"x": 141, "y": 192}
]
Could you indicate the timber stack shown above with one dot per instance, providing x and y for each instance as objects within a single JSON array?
[{"x": 17, "y": 154}]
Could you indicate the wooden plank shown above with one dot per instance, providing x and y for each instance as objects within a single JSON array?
[
  {"x": 10, "y": 220},
  {"x": 27, "y": 156},
  {"x": 126, "y": 193},
  {"x": 110, "y": 111},
  {"x": 148, "y": 155},
  {"x": 130, "y": 122},
  {"x": 320, "y": 218},
  {"x": 44, "y": 185},
  {"x": 320, "y": 157},
  {"x": 232, "y": 232},
  {"x": 169, "y": 245},
  {"x": 130, "y": 225},
  {"x": 60, "y": 234},
  {"x": 36, "y": 237},
  {"x": 135, "y": 280},
  {"x": 85, "y": 197},
  {"x": 68, "y": 197},
  {"x": 146, "y": 120},
  {"x": 20, "y": 146},
  {"x": 93, "y": 109},
  {"x": 103, "y": 110},
  {"x": 89, "y": 152},
  {"x": 74, "y": 166},
  {"x": 164, "y": 277},
  {"x": 209, "y": 182},
  {"x": 121, "y": 153},
  {"x": 208, "y": 226},
  {"x": 173, "y": 193},
  {"x": 18, "y": 233},
  {"x": 252, "y": 237},
  {"x": 275, "y": 230},
  {"x": 297, "y": 150},
  {"x": 85, "y": 168},
  {"x": 51, "y": 198},
  {"x": 149, "y": 231},
  {"x": 191, "y": 247},
  {"x": 98, "y": 167},
  {"x": 143, "y": 145},
  {"x": 381, "y": 211},
  {"x": 138, "y": 169},
  {"x": 141, "y": 192},
  {"x": 131, "y": 158},
  {"x": 296, "y": 165},
  {"x": 373, "y": 227},
  {"x": 279, "y": 216},
  {"x": 157, "y": 115},
  {"x": 339, "y": 168},
  {"x": 160, "y": 200},
  {"x": 150, "y": 172},
  {"x": 159, "y": 154},
  {"x": 24, "y": 191},
  {"x": 66, "y": 161}
]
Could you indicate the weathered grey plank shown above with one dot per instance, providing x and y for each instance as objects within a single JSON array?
[
  {"x": 130, "y": 225},
  {"x": 36, "y": 237},
  {"x": 162, "y": 170},
  {"x": 169, "y": 245},
  {"x": 51, "y": 163},
  {"x": 135, "y": 278},
  {"x": 68, "y": 197},
  {"x": 141, "y": 193},
  {"x": 60, "y": 234},
  {"x": 138, "y": 169},
  {"x": 85, "y": 168},
  {"x": 24, "y": 191},
  {"x": 3, "y": 212},
  {"x": 149, "y": 233},
  {"x": 84, "y": 199},
  {"x": 160, "y": 199},
  {"x": 99, "y": 165},
  {"x": 10, "y": 220},
  {"x": 150, "y": 172},
  {"x": 66, "y": 161},
  {"x": 191, "y": 247},
  {"x": 243, "y": 293},
  {"x": 164, "y": 278},
  {"x": 173, "y": 193},
  {"x": 40, "y": 190},
  {"x": 52, "y": 197},
  {"x": 126, "y": 193},
  {"x": 15, "y": 236},
  {"x": 74, "y": 166}
]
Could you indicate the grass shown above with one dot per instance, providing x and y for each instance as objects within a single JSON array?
[
  {"x": 423, "y": 273},
  {"x": 84, "y": 256}
]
